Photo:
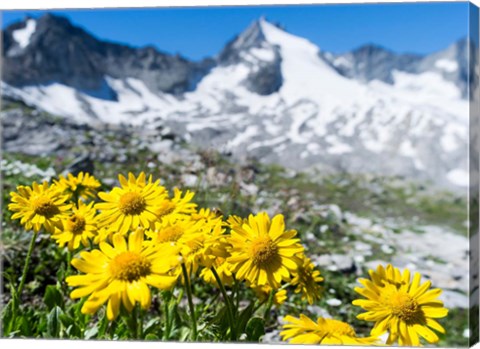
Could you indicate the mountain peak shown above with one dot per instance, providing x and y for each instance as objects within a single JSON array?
[{"x": 252, "y": 37}]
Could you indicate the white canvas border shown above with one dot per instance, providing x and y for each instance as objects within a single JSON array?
[{"x": 86, "y": 4}]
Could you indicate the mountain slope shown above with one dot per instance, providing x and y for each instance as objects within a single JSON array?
[
  {"x": 52, "y": 50},
  {"x": 278, "y": 97}
]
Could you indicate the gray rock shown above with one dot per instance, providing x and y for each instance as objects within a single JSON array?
[
  {"x": 61, "y": 52},
  {"x": 344, "y": 263}
]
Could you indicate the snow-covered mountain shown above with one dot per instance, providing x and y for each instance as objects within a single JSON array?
[{"x": 268, "y": 94}]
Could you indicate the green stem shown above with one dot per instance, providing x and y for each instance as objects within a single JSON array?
[
  {"x": 227, "y": 302},
  {"x": 27, "y": 264},
  {"x": 188, "y": 287},
  {"x": 266, "y": 314},
  {"x": 111, "y": 327},
  {"x": 132, "y": 322},
  {"x": 236, "y": 292},
  {"x": 140, "y": 323},
  {"x": 69, "y": 262},
  {"x": 166, "y": 302}
]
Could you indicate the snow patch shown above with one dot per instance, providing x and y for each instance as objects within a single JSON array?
[
  {"x": 263, "y": 54},
  {"x": 22, "y": 36},
  {"x": 449, "y": 142},
  {"x": 244, "y": 137},
  {"x": 447, "y": 65},
  {"x": 428, "y": 83},
  {"x": 458, "y": 177},
  {"x": 342, "y": 62},
  {"x": 340, "y": 148},
  {"x": 407, "y": 149}
]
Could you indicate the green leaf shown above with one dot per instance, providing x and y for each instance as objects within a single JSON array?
[
  {"x": 103, "y": 326},
  {"x": 24, "y": 326},
  {"x": 53, "y": 297},
  {"x": 184, "y": 334},
  {"x": 91, "y": 332},
  {"x": 244, "y": 316},
  {"x": 151, "y": 326},
  {"x": 151, "y": 337},
  {"x": 7, "y": 317},
  {"x": 53, "y": 322},
  {"x": 255, "y": 329},
  {"x": 66, "y": 320}
]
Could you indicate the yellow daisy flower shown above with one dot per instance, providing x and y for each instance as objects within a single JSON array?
[
  {"x": 263, "y": 293},
  {"x": 406, "y": 308},
  {"x": 303, "y": 330},
  {"x": 306, "y": 278},
  {"x": 84, "y": 185},
  {"x": 203, "y": 247},
  {"x": 174, "y": 230},
  {"x": 132, "y": 205},
  {"x": 224, "y": 271},
  {"x": 122, "y": 274},
  {"x": 262, "y": 252},
  {"x": 39, "y": 206},
  {"x": 236, "y": 221},
  {"x": 79, "y": 227},
  {"x": 205, "y": 213},
  {"x": 178, "y": 205}
]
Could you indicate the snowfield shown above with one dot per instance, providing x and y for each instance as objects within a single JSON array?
[{"x": 418, "y": 123}]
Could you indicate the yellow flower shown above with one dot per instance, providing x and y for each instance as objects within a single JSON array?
[
  {"x": 263, "y": 293},
  {"x": 122, "y": 274},
  {"x": 78, "y": 228},
  {"x": 223, "y": 269},
  {"x": 174, "y": 230},
  {"x": 236, "y": 221},
  {"x": 205, "y": 213},
  {"x": 406, "y": 308},
  {"x": 306, "y": 278},
  {"x": 178, "y": 205},
  {"x": 83, "y": 185},
  {"x": 262, "y": 252},
  {"x": 303, "y": 330},
  {"x": 39, "y": 205},
  {"x": 204, "y": 246},
  {"x": 132, "y": 205}
]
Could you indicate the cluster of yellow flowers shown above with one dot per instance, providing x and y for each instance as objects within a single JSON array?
[
  {"x": 405, "y": 308},
  {"x": 138, "y": 236}
]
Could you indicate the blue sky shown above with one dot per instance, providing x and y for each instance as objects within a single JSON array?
[{"x": 199, "y": 32}]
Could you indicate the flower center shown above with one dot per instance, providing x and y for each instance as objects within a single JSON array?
[
  {"x": 76, "y": 224},
  {"x": 132, "y": 203},
  {"x": 170, "y": 234},
  {"x": 129, "y": 266},
  {"x": 339, "y": 328},
  {"x": 44, "y": 206},
  {"x": 263, "y": 250},
  {"x": 404, "y": 306}
]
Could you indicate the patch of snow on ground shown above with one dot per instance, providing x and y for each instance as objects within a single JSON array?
[
  {"x": 244, "y": 136},
  {"x": 340, "y": 148},
  {"x": 447, "y": 65},
  {"x": 22, "y": 36},
  {"x": 407, "y": 149},
  {"x": 449, "y": 142},
  {"x": 28, "y": 170},
  {"x": 459, "y": 177},
  {"x": 263, "y": 54},
  {"x": 428, "y": 83},
  {"x": 342, "y": 61}
]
